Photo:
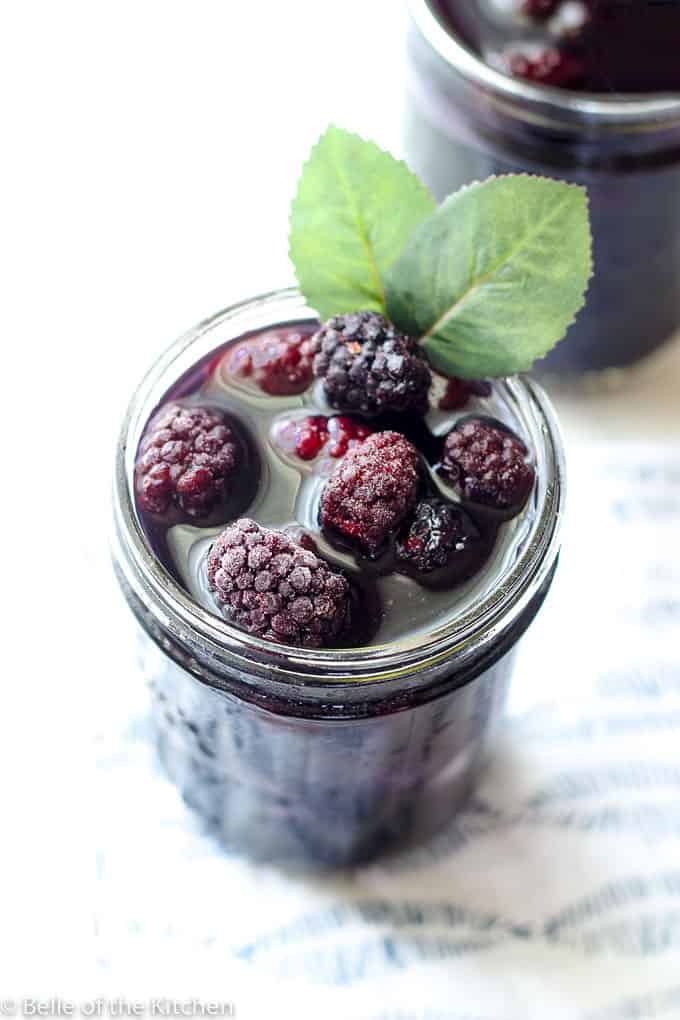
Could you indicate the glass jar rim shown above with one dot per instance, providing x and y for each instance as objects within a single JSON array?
[
  {"x": 546, "y": 104},
  {"x": 200, "y": 631}
]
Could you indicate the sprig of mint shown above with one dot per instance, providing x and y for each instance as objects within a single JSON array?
[
  {"x": 489, "y": 281},
  {"x": 355, "y": 208},
  {"x": 492, "y": 280}
]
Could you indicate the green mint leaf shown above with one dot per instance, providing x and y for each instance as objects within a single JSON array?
[
  {"x": 355, "y": 208},
  {"x": 492, "y": 280}
]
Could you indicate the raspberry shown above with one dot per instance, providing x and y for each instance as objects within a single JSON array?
[
  {"x": 271, "y": 586},
  {"x": 185, "y": 458},
  {"x": 439, "y": 534},
  {"x": 548, "y": 67},
  {"x": 278, "y": 361},
  {"x": 369, "y": 366},
  {"x": 458, "y": 392},
  {"x": 487, "y": 463},
  {"x": 371, "y": 491}
]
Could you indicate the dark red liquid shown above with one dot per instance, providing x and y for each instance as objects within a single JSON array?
[{"x": 608, "y": 46}]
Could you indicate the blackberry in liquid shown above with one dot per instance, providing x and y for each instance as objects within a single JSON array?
[
  {"x": 584, "y": 45},
  {"x": 329, "y": 784},
  {"x": 276, "y": 484}
]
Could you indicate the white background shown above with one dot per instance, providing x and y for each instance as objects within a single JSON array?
[{"x": 149, "y": 152}]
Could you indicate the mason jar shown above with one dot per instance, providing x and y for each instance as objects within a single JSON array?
[
  {"x": 325, "y": 758},
  {"x": 466, "y": 121}
]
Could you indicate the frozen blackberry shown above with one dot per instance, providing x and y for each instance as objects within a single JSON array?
[
  {"x": 487, "y": 464},
  {"x": 368, "y": 366},
  {"x": 548, "y": 66},
  {"x": 338, "y": 434},
  {"x": 279, "y": 361},
  {"x": 539, "y": 9},
  {"x": 371, "y": 491},
  {"x": 273, "y": 587},
  {"x": 311, "y": 435},
  {"x": 185, "y": 458},
  {"x": 439, "y": 535}
]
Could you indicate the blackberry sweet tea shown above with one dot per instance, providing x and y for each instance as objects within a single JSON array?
[
  {"x": 324, "y": 756},
  {"x": 278, "y": 484}
]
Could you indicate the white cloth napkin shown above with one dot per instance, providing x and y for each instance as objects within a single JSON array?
[{"x": 555, "y": 893}]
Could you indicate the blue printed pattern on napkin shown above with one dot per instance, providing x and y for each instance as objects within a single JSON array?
[{"x": 555, "y": 893}]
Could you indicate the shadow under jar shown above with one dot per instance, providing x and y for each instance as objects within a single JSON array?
[
  {"x": 466, "y": 120},
  {"x": 325, "y": 758}
]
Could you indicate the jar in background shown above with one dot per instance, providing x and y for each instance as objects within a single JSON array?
[{"x": 466, "y": 121}]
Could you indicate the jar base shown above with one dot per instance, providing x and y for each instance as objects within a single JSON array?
[{"x": 297, "y": 840}]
